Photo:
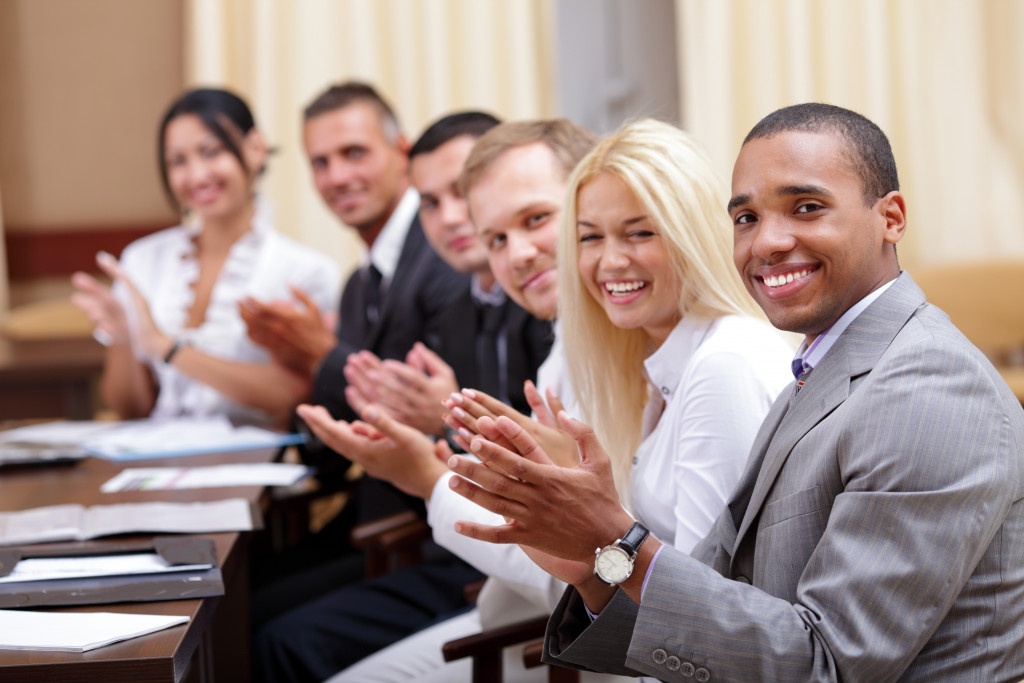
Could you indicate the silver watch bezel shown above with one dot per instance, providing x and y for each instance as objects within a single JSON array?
[{"x": 614, "y": 547}]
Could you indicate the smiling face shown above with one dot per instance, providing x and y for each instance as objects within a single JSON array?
[
  {"x": 202, "y": 173},
  {"x": 443, "y": 210},
  {"x": 358, "y": 172},
  {"x": 516, "y": 205},
  {"x": 807, "y": 245},
  {"x": 622, "y": 259}
]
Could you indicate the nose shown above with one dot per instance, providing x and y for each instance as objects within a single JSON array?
[
  {"x": 198, "y": 169},
  {"x": 454, "y": 212},
  {"x": 613, "y": 256},
  {"x": 521, "y": 248},
  {"x": 338, "y": 172},
  {"x": 773, "y": 236}
]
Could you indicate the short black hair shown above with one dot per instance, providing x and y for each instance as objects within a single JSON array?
[
  {"x": 342, "y": 95},
  {"x": 222, "y": 112},
  {"x": 869, "y": 151},
  {"x": 447, "y": 128}
]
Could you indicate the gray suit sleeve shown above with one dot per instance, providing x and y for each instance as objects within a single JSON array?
[{"x": 573, "y": 640}]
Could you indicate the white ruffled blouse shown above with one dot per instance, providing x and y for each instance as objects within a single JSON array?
[{"x": 261, "y": 264}]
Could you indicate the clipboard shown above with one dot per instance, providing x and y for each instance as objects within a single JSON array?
[{"x": 100, "y": 590}]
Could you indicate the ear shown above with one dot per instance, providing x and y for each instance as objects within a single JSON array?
[
  {"x": 893, "y": 208},
  {"x": 254, "y": 149}
]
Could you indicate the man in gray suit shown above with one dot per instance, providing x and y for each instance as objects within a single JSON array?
[{"x": 878, "y": 532}]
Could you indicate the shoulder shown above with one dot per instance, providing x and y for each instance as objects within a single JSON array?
[
  {"x": 159, "y": 247},
  {"x": 746, "y": 346},
  {"x": 295, "y": 253}
]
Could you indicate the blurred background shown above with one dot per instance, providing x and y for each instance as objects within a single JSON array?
[{"x": 84, "y": 82}]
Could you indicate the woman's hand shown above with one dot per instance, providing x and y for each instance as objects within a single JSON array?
[
  {"x": 468, "y": 406},
  {"x": 98, "y": 302}
]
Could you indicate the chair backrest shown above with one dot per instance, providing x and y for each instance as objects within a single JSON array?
[{"x": 984, "y": 300}]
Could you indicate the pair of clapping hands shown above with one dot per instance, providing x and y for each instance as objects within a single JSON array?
[{"x": 548, "y": 477}]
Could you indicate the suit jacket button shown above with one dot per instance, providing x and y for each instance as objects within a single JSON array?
[
  {"x": 659, "y": 656},
  {"x": 702, "y": 675},
  {"x": 686, "y": 669},
  {"x": 672, "y": 663},
  {"x": 743, "y": 579}
]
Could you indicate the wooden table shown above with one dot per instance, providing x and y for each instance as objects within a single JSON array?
[
  {"x": 213, "y": 645},
  {"x": 56, "y": 378}
]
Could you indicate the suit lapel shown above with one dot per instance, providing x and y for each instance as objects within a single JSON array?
[
  {"x": 412, "y": 250},
  {"x": 854, "y": 354}
]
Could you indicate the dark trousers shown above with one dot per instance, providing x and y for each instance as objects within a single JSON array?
[{"x": 321, "y": 637}]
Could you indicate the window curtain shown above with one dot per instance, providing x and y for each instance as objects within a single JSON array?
[
  {"x": 943, "y": 78},
  {"x": 427, "y": 57}
]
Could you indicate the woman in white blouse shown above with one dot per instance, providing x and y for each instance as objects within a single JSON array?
[
  {"x": 672, "y": 361},
  {"x": 176, "y": 344}
]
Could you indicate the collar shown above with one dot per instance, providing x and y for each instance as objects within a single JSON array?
[
  {"x": 387, "y": 248},
  {"x": 665, "y": 366},
  {"x": 495, "y": 297},
  {"x": 809, "y": 356}
]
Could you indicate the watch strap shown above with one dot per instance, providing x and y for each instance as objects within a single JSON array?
[{"x": 634, "y": 538}]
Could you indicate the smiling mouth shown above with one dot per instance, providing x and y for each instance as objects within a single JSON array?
[
  {"x": 616, "y": 289},
  {"x": 780, "y": 279}
]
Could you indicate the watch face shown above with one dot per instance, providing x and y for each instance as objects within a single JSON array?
[{"x": 613, "y": 565}]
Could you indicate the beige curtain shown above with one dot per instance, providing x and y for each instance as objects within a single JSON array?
[
  {"x": 944, "y": 78},
  {"x": 428, "y": 57}
]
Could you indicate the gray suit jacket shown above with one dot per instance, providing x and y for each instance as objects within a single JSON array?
[{"x": 877, "y": 534}]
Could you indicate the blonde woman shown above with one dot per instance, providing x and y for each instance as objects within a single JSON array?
[{"x": 672, "y": 361}]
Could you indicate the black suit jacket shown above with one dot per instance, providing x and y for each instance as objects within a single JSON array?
[
  {"x": 421, "y": 289},
  {"x": 527, "y": 340}
]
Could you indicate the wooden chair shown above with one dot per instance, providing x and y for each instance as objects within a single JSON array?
[
  {"x": 986, "y": 301},
  {"x": 485, "y": 649}
]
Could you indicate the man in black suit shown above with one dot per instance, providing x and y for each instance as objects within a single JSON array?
[
  {"x": 482, "y": 339},
  {"x": 359, "y": 160}
]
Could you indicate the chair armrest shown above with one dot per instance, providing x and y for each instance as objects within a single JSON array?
[
  {"x": 391, "y": 542},
  {"x": 493, "y": 640}
]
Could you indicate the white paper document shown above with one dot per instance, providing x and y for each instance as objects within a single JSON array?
[
  {"x": 79, "y": 523},
  {"x": 76, "y": 631},
  {"x": 47, "y": 568},
  {"x": 153, "y": 438},
  {"x": 158, "y": 478}
]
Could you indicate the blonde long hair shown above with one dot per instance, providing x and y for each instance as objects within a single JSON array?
[{"x": 686, "y": 200}]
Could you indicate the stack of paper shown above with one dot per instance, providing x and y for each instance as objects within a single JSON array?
[
  {"x": 76, "y": 632},
  {"x": 153, "y": 438},
  {"x": 157, "y": 478}
]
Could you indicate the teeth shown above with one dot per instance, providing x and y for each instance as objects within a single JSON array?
[
  {"x": 786, "y": 278},
  {"x": 624, "y": 287}
]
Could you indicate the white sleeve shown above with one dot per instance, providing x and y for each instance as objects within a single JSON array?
[{"x": 506, "y": 562}]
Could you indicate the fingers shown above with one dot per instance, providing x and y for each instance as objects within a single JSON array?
[
  {"x": 304, "y": 298},
  {"x": 490, "y": 490},
  {"x": 109, "y": 265},
  {"x": 487, "y": 403},
  {"x": 490, "y": 534},
  {"x": 431, "y": 362},
  {"x": 541, "y": 412},
  {"x": 336, "y": 434},
  {"x": 387, "y": 425},
  {"x": 409, "y": 376},
  {"x": 442, "y": 450},
  {"x": 554, "y": 403},
  {"x": 356, "y": 401},
  {"x": 591, "y": 450},
  {"x": 521, "y": 440}
]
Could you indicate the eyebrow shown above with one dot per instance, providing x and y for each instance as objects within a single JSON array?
[{"x": 786, "y": 191}]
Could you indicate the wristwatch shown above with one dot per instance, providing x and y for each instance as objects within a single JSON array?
[{"x": 613, "y": 563}]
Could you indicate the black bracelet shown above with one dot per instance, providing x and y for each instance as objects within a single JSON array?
[{"x": 174, "y": 350}]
